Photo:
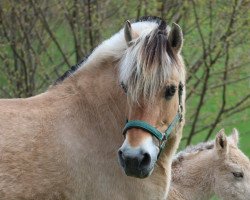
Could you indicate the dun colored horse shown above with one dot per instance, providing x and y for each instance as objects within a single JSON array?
[
  {"x": 213, "y": 168},
  {"x": 63, "y": 144}
]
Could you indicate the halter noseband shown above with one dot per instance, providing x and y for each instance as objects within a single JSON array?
[{"x": 162, "y": 137}]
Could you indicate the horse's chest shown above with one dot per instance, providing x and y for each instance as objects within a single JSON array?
[{"x": 111, "y": 183}]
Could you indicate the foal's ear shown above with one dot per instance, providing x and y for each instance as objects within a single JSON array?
[
  {"x": 234, "y": 137},
  {"x": 221, "y": 142},
  {"x": 176, "y": 37},
  {"x": 129, "y": 33}
]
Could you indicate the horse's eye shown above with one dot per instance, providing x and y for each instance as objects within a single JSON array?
[
  {"x": 238, "y": 174},
  {"x": 170, "y": 91},
  {"x": 124, "y": 87}
]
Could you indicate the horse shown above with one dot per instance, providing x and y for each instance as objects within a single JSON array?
[
  {"x": 213, "y": 168},
  {"x": 107, "y": 128}
]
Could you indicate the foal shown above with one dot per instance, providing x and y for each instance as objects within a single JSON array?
[{"x": 213, "y": 168}]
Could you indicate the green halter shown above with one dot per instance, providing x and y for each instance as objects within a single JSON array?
[{"x": 162, "y": 137}]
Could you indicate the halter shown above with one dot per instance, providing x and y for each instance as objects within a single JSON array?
[{"x": 162, "y": 137}]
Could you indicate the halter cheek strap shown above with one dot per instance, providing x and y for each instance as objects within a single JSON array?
[{"x": 162, "y": 137}]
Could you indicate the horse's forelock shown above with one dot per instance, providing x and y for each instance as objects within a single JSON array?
[
  {"x": 156, "y": 51},
  {"x": 148, "y": 64}
]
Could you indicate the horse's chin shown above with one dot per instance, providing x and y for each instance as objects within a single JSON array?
[{"x": 139, "y": 173}]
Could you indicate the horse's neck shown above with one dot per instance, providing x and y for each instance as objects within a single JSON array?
[
  {"x": 192, "y": 178},
  {"x": 95, "y": 100}
]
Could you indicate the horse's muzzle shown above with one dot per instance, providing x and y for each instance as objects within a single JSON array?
[{"x": 136, "y": 162}]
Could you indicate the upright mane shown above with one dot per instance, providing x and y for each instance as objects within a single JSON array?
[
  {"x": 144, "y": 67},
  {"x": 115, "y": 46},
  {"x": 72, "y": 70},
  {"x": 191, "y": 150}
]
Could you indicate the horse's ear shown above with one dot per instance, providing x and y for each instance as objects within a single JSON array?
[
  {"x": 234, "y": 137},
  {"x": 128, "y": 32},
  {"x": 221, "y": 142},
  {"x": 176, "y": 37}
]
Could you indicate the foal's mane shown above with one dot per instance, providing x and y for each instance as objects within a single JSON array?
[{"x": 191, "y": 150}]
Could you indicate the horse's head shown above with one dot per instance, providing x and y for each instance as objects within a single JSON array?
[
  {"x": 152, "y": 75},
  {"x": 232, "y": 169}
]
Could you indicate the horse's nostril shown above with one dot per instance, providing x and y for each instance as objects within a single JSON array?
[
  {"x": 145, "y": 160},
  {"x": 121, "y": 158},
  {"x": 120, "y": 154}
]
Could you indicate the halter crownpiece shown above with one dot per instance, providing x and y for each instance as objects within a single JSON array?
[{"x": 162, "y": 137}]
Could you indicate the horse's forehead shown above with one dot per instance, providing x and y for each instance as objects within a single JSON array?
[
  {"x": 174, "y": 78},
  {"x": 239, "y": 158}
]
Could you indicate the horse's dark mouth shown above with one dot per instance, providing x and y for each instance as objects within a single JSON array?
[{"x": 138, "y": 173}]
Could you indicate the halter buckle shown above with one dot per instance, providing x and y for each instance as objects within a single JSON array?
[{"x": 180, "y": 109}]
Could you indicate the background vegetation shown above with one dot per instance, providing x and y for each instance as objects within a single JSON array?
[{"x": 40, "y": 40}]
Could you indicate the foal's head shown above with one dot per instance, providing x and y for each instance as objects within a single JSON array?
[
  {"x": 152, "y": 76},
  {"x": 232, "y": 169}
]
